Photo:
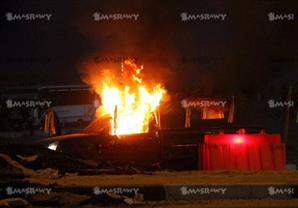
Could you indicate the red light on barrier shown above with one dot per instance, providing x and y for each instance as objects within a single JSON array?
[
  {"x": 242, "y": 139},
  {"x": 238, "y": 140}
]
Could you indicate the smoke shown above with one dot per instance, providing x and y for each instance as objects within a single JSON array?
[
  {"x": 149, "y": 40},
  {"x": 222, "y": 53}
]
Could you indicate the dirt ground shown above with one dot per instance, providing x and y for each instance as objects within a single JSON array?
[
  {"x": 265, "y": 203},
  {"x": 68, "y": 199},
  {"x": 172, "y": 178},
  {"x": 225, "y": 203}
]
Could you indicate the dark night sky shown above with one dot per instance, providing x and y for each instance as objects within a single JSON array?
[{"x": 243, "y": 53}]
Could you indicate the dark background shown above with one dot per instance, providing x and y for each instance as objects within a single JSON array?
[{"x": 246, "y": 53}]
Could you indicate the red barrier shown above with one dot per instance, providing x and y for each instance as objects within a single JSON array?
[
  {"x": 243, "y": 157},
  {"x": 267, "y": 160},
  {"x": 279, "y": 157},
  {"x": 216, "y": 157},
  {"x": 252, "y": 152},
  {"x": 254, "y": 157},
  {"x": 242, "y": 139}
]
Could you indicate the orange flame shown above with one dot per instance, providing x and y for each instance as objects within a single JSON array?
[{"x": 127, "y": 100}]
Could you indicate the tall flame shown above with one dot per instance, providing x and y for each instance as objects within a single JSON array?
[{"x": 127, "y": 100}]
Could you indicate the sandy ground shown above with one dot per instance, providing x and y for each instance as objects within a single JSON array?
[
  {"x": 178, "y": 204},
  {"x": 172, "y": 178},
  {"x": 165, "y": 178},
  {"x": 225, "y": 203}
]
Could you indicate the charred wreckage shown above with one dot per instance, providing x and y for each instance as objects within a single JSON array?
[{"x": 127, "y": 130}]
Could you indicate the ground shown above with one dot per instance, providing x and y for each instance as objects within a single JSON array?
[{"x": 182, "y": 177}]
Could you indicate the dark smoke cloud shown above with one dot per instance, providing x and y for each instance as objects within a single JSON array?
[
  {"x": 229, "y": 55},
  {"x": 149, "y": 39},
  {"x": 244, "y": 49}
]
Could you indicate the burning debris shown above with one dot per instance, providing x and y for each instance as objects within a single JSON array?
[{"x": 128, "y": 100}]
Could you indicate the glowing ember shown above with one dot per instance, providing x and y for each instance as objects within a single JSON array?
[{"x": 127, "y": 100}]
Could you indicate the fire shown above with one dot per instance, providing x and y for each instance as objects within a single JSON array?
[{"x": 128, "y": 100}]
